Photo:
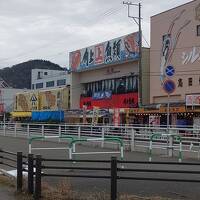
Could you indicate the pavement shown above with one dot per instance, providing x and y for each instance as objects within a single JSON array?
[
  {"x": 6, "y": 193},
  {"x": 172, "y": 190}
]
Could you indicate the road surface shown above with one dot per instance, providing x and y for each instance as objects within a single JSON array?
[{"x": 173, "y": 190}]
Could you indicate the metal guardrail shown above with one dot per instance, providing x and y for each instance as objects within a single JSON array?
[
  {"x": 111, "y": 170},
  {"x": 134, "y": 137},
  {"x": 115, "y": 172}
]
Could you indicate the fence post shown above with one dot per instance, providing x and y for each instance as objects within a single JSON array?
[
  {"x": 28, "y": 131},
  {"x": 15, "y": 130},
  {"x": 59, "y": 133},
  {"x": 132, "y": 139},
  {"x": 113, "y": 178},
  {"x": 79, "y": 132},
  {"x": 102, "y": 135},
  {"x": 38, "y": 166},
  {"x": 4, "y": 129},
  {"x": 30, "y": 173},
  {"x": 19, "y": 171},
  {"x": 170, "y": 147},
  {"x": 42, "y": 130}
]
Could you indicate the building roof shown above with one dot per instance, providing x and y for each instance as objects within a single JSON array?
[
  {"x": 173, "y": 8},
  {"x": 3, "y": 84}
]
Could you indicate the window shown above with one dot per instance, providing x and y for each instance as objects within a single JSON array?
[
  {"x": 180, "y": 82},
  {"x": 61, "y": 82},
  {"x": 189, "y": 81},
  {"x": 39, "y": 76},
  {"x": 198, "y": 30},
  {"x": 39, "y": 85},
  {"x": 33, "y": 87},
  {"x": 45, "y": 73},
  {"x": 50, "y": 84}
]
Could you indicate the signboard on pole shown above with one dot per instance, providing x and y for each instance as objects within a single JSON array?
[
  {"x": 169, "y": 86},
  {"x": 84, "y": 114},
  {"x": 170, "y": 70},
  {"x": 116, "y": 117},
  {"x": 95, "y": 116}
]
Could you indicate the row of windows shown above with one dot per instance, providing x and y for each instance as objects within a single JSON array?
[
  {"x": 49, "y": 84},
  {"x": 117, "y": 86}
]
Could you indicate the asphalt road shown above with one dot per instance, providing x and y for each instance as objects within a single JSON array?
[{"x": 173, "y": 190}]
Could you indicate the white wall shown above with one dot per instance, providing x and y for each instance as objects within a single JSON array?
[{"x": 52, "y": 75}]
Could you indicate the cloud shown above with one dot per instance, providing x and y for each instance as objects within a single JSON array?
[{"x": 50, "y": 29}]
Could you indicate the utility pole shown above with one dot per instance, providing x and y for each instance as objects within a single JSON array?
[{"x": 137, "y": 20}]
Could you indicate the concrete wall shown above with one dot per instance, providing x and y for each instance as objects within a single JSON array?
[{"x": 182, "y": 51}]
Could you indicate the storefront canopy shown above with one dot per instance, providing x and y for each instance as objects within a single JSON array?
[{"x": 21, "y": 114}]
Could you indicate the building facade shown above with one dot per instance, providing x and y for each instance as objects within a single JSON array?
[
  {"x": 175, "y": 42},
  {"x": 48, "y": 79},
  {"x": 106, "y": 75}
]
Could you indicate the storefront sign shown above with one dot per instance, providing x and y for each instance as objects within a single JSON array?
[
  {"x": 113, "y": 51},
  {"x": 172, "y": 109},
  {"x": 192, "y": 100},
  {"x": 129, "y": 100}
]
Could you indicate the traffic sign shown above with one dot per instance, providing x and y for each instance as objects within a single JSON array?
[
  {"x": 170, "y": 70},
  {"x": 169, "y": 86}
]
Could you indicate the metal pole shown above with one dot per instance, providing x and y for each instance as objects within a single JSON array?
[
  {"x": 38, "y": 166},
  {"x": 113, "y": 178},
  {"x": 19, "y": 171},
  {"x": 140, "y": 47},
  {"x": 140, "y": 57},
  {"x": 168, "y": 112},
  {"x": 30, "y": 173},
  {"x": 4, "y": 123}
]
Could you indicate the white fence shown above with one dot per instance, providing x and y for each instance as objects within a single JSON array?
[{"x": 135, "y": 138}]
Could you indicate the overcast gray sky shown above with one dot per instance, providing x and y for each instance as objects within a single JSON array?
[{"x": 50, "y": 29}]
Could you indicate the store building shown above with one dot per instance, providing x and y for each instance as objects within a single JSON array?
[
  {"x": 175, "y": 62},
  {"x": 175, "y": 43},
  {"x": 49, "y": 79},
  {"x": 106, "y": 75}
]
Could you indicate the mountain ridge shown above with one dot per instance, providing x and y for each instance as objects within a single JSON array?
[{"x": 19, "y": 75}]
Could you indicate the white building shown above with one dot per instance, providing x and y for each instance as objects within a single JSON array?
[{"x": 47, "y": 79}]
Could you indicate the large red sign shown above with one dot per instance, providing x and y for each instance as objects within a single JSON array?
[{"x": 129, "y": 100}]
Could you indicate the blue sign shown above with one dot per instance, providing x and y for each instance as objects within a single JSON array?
[
  {"x": 170, "y": 70},
  {"x": 102, "y": 95},
  {"x": 169, "y": 86}
]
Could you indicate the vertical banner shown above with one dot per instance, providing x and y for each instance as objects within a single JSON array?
[
  {"x": 116, "y": 117},
  {"x": 127, "y": 116},
  {"x": 95, "y": 116},
  {"x": 84, "y": 114}
]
